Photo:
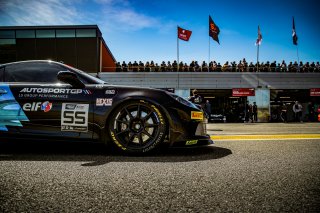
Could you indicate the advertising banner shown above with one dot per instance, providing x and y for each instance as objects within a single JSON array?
[
  {"x": 315, "y": 92},
  {"x": 240, "y": 92}
]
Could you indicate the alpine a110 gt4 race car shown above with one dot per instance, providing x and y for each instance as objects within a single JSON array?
[{"x": 51, "y": 100}]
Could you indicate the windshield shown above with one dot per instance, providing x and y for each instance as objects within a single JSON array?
[{"x": 89, "y": 78}]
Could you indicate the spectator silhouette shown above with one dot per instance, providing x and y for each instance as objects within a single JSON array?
[
  {"x": 124, "y": 67},
  {"x": 135, "y": 66},
  {"x": 213, "y": 66}
]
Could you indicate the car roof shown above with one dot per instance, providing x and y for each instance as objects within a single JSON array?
[{"x": 30, "y": 61}]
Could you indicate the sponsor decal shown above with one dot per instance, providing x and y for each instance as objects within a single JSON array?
[
  {"x": 315, "y": 92},
  {"x": 71, "y": 106},
  {"x": 87, "y": 92},
  {"x": 35, "y": 106},
  {"x": 46, "y": 106},
  {"x": 74, "y": 117},
  {"x": 104, "y": 102},
  {"x": 58, "y": 93},
  {"x": 51, "y": 90},
  {"x": 46, "y": 96},
  {"x": 110, "y": 92},
  {"x": 11, "y": 113},
  {"x": 195, "y": 115},
  {"x": 3, "y": 91},
  {"x": 243, "y": 92},
  {"x": 191, "y": 142}
]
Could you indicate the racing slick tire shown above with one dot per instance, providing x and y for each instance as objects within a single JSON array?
[{"x": 137, "y": 127}]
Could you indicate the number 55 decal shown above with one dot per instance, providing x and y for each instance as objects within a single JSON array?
[{"x": 74, "y": 117}]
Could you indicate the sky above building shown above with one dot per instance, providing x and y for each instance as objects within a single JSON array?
[{"x": 145, "y": 30}]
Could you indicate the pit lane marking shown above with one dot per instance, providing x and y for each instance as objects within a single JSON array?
[{"x": 265, "y": 137}]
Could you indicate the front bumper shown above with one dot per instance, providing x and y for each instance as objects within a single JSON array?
[
  {"x": 195, "y": 141},
  {"x": 192, "y": 134}
]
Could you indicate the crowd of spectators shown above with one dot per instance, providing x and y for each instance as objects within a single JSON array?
[{"x": 194, "y": 66}]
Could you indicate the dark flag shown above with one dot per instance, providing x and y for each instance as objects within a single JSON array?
[
  {"x": 213, "y": 30},
  {"x": 294, "y": 34},
  {"x": 259, "y": 39},
  {"x": 184, "y": 34}
]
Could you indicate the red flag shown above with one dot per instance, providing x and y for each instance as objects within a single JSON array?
[
  {"x": 259, "y": 39},
  {"x": 184, "y": 34},
  {"x": 213, "y": 30}
]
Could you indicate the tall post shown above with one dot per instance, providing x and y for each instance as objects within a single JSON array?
[
  {"x": 209, "y": 52},
  {"x": 298, "y": 55},
  {"x": 178, "y": 48},
  {"x": 178, "y": 57},
  {"x": 258, "y": 58},
  {"x": 258, "y": 66},
  {"x": 258, "y": 42}
]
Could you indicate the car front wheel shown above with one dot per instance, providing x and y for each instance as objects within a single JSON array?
[{"x": 137, "y": 126}]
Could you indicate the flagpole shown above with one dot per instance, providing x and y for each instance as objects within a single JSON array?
[
  {"x": 209, "y": 52},
  {"x": 178, "y": 47},
  {"x": 298, "y": 55},
  {"x": 178, "y": 64},
  {"x": 258, "y": 65},
  {"x": 178, "y": 56},
  {"x": 258, "y": 57}
]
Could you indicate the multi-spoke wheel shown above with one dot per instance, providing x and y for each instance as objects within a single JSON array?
[{"x": 137, "y": 126}]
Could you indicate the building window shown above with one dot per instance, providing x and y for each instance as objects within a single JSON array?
[
  {"x": 66, "y": 33},
  {"x": 7, "y": 34},
  {"x": 26, "y": 34},
  {"x": 7, "y": 50},
  {"x": 86, "y": 33},
  {"x": 45, "y": 33},
  {"x": 7, "y": 41}
]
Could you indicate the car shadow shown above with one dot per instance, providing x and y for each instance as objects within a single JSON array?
[{"x": 94, "y": 154}]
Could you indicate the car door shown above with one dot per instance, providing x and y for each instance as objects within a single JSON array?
[{"x": 51, "y": 108}]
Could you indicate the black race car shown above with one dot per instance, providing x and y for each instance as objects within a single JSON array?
[{"x": 52, "y": 100}]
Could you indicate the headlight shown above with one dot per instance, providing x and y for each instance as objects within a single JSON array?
[{"x": 182, "y": 100}]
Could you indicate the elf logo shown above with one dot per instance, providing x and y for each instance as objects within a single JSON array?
[{"x": 35, "y": 106}]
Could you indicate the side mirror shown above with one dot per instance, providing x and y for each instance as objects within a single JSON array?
[{"x": 70, "y": 78}]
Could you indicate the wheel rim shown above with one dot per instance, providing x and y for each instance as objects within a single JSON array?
[{"x": 136, "y": 125}]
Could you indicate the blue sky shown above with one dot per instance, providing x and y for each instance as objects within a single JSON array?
[{"x": 146, "y": 30}]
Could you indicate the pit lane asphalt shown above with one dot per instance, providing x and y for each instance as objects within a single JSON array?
[{"x": 236, "y": 176}]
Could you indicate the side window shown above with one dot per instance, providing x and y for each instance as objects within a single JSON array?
[
  {"x": 1, "y": 73},
  {"x": 38, "y": 72}
]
